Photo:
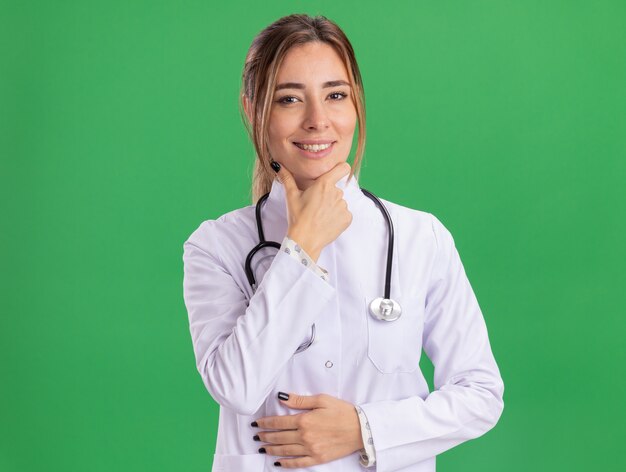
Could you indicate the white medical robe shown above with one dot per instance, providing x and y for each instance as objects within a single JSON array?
[{"x": 244, "y": 341}]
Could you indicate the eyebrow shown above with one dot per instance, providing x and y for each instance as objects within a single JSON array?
[{"x": 295, "y": 85}]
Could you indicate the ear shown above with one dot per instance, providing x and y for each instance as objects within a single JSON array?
[{"x": 247, "y": 107}]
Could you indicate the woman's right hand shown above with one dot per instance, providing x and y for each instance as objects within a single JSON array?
[{"x": 319, "y": 214}]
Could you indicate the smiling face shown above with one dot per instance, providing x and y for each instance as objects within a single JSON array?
[{"x": 313, "y": 117}]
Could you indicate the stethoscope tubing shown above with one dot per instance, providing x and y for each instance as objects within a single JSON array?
[
  {"x": 263, "y": 243},
  {"x": 390, "y": 238},
  {"x": 377, "y": 304}
]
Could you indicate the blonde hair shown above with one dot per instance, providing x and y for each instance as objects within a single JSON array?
[{"x": 263, "y": 60}]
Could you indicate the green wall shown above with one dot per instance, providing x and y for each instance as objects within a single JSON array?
[{"x": 120, "y": 133}]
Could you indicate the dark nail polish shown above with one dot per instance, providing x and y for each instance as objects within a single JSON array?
[
  {"x": 256, "y": 437},
  {"x": 255, "y": 424},
  {"x": 277, "y": 464},
  {"x": 283, "y": 396},
  {"x": 275, "y": 165},
  {"x": 262, "y": 450}
]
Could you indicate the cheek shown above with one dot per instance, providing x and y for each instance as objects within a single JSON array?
[
  {"x": 278, "y": 129},
  {"x": 347, "y": 122},
  {"x": 346, "y": 127}
]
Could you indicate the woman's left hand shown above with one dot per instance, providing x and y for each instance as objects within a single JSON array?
[{"x": 328, "y": 431}]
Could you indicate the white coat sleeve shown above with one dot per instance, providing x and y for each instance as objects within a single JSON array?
[
  {"x": 468, "y": 397},
  {"x": 241, "y": 348}
]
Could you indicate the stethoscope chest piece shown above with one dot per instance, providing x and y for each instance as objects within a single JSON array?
[{"x": 385, "y": 309}]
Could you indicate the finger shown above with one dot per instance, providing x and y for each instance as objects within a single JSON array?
[
  {"x": 285, "y": 450},
  {"x": 286, "y": 179},
  {"x": 280, "y": 437},
  {"x": 336, "y": 173},
  {"x": 306, "y": 461},
  {"x": 303, "y": 402},
  {"x": 279, "y": 422}
]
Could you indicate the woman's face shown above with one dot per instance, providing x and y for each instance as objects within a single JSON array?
[{"x": 312, "y": 109}]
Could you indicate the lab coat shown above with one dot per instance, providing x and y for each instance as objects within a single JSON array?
[{"x": 244, "y": 341}]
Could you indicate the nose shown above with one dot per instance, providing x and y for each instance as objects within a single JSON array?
[{"x": 316, "y": 116}]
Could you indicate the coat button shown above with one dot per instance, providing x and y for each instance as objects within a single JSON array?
[{"x": 329, "y": 364}]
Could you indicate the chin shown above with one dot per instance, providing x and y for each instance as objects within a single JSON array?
[
  {"x": 313, "y": 174},
  {"x": 312, "y": 170}
]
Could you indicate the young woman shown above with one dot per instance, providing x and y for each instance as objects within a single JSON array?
[{"x": 312, "y": 351}]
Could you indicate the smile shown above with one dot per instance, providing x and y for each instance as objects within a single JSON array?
[{"x": 314, "y": 147}]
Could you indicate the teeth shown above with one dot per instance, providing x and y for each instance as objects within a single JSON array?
[{"x": 314, "y": 147}]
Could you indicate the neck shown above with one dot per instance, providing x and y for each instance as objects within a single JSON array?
[{"x": 304, "y": 184}]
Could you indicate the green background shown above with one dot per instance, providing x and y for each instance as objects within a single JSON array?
[{"x": 120, "y": 133}]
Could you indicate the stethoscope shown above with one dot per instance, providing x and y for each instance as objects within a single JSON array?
[{"x": 381, "y": 308}]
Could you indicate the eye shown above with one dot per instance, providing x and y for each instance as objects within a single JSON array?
[
  {"x": 290, "y": 99},
  {"x": 342, "y": 95},
  {"x": 285, "y": 100}
]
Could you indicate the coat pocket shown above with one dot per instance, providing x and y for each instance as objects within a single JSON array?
[
  {"x": 238, "y": 462},
  {"x": 396, "y": 346}
]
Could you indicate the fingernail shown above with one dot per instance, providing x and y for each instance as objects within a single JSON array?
[
  {"x": 275, "y": 165},
  {"x": 255, "y": 424},
  {"x": 283, "y": 396},
  {"x": 256, "y": 437},
  {"x": 277, "y": 464},
  {"x": 262, "y": 450}
]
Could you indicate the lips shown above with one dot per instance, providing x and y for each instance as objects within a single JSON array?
[
  {"x": 313, "y": 147},
  {"x": 315, "y": 150},
  {"x": 314, "y": 141}
]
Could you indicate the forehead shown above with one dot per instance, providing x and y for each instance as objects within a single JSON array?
[{"x": 313, "y": 61}]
